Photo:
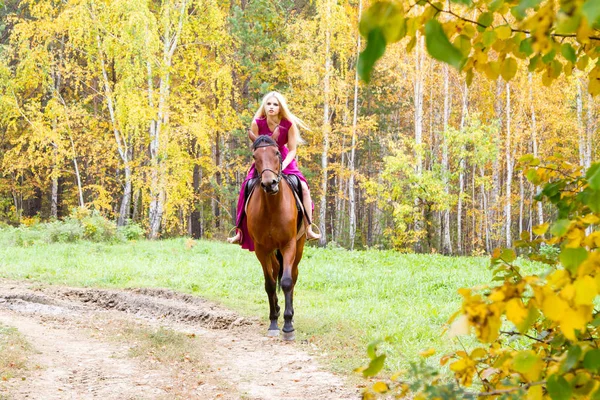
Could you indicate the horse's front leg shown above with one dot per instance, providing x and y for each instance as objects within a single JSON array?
[
  {"x": 270, "y": 268},
  {"x": 288, "y": 280}
]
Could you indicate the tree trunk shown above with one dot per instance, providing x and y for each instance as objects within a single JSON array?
[
  {"x": 495, "y": 193},
  {"x": 521, "y": 202},
  {"x": 122, "y": 147},
  {"x": 590, "y": 129},
  {"x": 351, "y": 161},
  {"x": 326, "y": 128},
  {"x": 418, "y": 96},
  {"x": 157, "y": 151},
  {"x": 534, "y": 143},
  {"x": 446, "y": 242},
  {"x": 195, "y": 227},
  {"x": 125, "y": 209},
  {"x": 509, "y": 172},
  {"x": 486, "y": 224},
  {"x": 461, "y": 176},
  {"x": 580, "y": 126}
]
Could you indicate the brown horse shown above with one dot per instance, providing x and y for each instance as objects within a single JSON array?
[{"x": 272, "y": 217}]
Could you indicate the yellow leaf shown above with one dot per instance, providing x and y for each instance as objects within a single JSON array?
[
  {"x": 584, "y": 32},
  {"x": 554, "y": 307},
  {"x": 478, "y": 353},
  {"x": 380, "y": 387},
  {"x": 427, "y": 353},
  {"x": 535, "y": 393},
  {"x": 571, "y": 321},
  {"x": 594, "y": 86},
  {"x": 541, "y": 229},
  {"x": 585, "y": 291},
  {"x": 492, "y": 70},
  {"x": 516, "y": 311},
  {"x": 503, "y": 32},
  {"x": 590, "y": 219},
  {"x": 509, "y": 68},
  {"x": 569, "y": 68},
  {"x": 497, "y": 295},
  {"x": 568, "y": 292},
  {"x": 559, "y": 278},
  {"x": 582, "y": 63}
]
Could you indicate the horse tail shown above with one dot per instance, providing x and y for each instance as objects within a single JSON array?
[{"x": 279, "y": 257}]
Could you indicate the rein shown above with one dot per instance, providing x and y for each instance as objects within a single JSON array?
[{"x": 279, "y": 174}]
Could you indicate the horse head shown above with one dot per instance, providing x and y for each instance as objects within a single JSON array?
[{"x": 267, "y": 161}]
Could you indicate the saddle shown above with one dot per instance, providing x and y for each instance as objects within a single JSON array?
[{"x": 296, "y": 186}]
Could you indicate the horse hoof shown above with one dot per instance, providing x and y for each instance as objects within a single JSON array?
[
  {"x": 289, "y": 335},
  {"x": 273, "y": 333}
]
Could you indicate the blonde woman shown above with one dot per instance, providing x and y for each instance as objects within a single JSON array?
[{"x": 274, "y": 119}]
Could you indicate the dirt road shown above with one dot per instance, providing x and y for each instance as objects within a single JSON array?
[{"x": 151, "y": 344}]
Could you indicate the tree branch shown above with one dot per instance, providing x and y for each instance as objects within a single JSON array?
[{"x": 441, "y": 10}]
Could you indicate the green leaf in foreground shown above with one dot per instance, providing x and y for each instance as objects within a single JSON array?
[
  {"x": 439, "y": 47},
  {"x": 568, "y": 52},
  {"x": 591, "y": 10},
  {"x": 559, "y": 388},
  {"x": 373, "y": 52},
  {"x": 571, "y": 259},
  {"x": 593, "y": 176},
  {"x": 591, "y": 361},
  {"x": 375, "y": 366}
]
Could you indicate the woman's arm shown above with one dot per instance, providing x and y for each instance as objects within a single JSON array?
[
  {"x": 253, "y": 132},
  {"x": 291, "y": 145}
]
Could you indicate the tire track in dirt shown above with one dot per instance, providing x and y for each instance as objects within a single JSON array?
[{"x": 240, "y": 363}]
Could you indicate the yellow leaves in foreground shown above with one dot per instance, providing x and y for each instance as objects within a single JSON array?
[
  {"x": 464, "y": 368},
  {"x": 571, "y": 307},
  {"x": 427, "y": 353}
]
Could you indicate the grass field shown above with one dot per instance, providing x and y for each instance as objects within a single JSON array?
[{"x": 343, "y": 300}]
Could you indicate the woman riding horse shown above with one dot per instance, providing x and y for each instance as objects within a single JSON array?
[{"x": 273, "y": 118}]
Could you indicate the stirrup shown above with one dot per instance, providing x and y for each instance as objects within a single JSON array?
[
  {"x": 318, "y": 232},
  {"x": 235, "y": 229}
]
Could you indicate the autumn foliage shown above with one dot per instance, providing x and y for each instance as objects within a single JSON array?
[{"x": 557, "y": 354}]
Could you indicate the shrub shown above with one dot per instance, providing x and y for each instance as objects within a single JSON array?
[
  {"x": 132, "y": 231},
  {"x": 67, "y": 231},
  {"x": 539, "y": 335},
  {"x": 98, "y": 229}
]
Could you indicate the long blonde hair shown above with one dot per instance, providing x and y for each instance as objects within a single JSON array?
[{"x": 284, "y": 112}]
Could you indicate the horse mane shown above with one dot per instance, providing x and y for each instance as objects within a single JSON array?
[{"x": 263, "y": 141}]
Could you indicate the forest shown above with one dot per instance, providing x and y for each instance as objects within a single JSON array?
[{"x": 139, "y": 110}]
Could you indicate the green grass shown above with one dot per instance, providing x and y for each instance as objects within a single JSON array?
[
  {"x": 14, "y": 351},
  {"x": 343, "y": 300}
]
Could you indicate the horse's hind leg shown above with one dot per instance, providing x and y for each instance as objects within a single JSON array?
[{"x": 270, "y": 270}]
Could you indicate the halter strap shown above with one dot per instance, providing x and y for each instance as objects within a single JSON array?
[{"x": 279, "y": 175}]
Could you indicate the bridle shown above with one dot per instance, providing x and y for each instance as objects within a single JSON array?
[{"x": 279, "y": 175}]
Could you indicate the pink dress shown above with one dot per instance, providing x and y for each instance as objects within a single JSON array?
[{"x": 291, "y": 169}]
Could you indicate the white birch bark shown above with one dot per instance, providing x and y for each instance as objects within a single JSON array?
[
  {"x": 157, "y": 148},
  {"x": 494, "y": 212},
  {"x": 534, "y": 143},
  {"x": 461, "y": 175},
  {"x": 521, "y": 202},
  {"x": 351, "y": 161},
  {"x": 326, "y": 128},
  {"x": 580, "y": 126},
  {"x": 418, "y": 99},
  {"x": 509, "y": 172},
  {"x": 122, "y": 146},
  {"x": 446, "y": 241},
  {"x": 589, "y": 132}
]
